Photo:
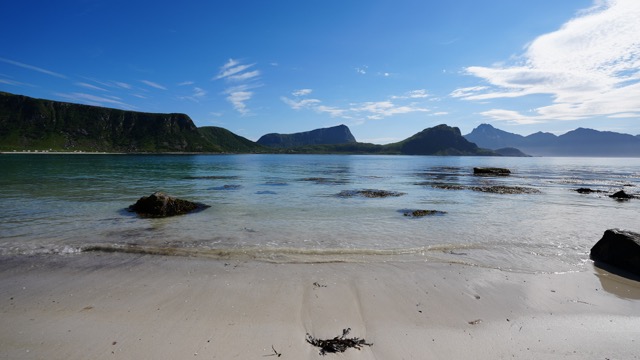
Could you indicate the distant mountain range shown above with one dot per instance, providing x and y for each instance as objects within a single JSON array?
[
  {"x": 35, "y": 124},
  {"x": 579, "y": 142}
]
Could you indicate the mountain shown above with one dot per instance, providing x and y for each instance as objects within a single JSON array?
[
  {"x": 333, "y": 135},
  {"x": 487, "y": 136},
  {"x": 579, "y": 142},
  {"x": 438, "y": 140},
  {"x": 35, "y": 124},
  {"x": 228, "y": 141}
]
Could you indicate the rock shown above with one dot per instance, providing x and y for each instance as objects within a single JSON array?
[
  {"x": 501, "y": 189},
  {"x": 160, "y": 204},
  {"x": 587, "y": 191},
  {"x": 619, "y": 248},
  {"x": 621, "y": 195},
  {"x": 369, "y": 193},
  {"x": 491, "y": 171},
  {"x": 421, "y": 213}
]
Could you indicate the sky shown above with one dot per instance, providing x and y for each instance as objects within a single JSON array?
[{"x": 387, "y": 69}]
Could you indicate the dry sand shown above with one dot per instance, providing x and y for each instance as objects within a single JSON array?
[{"x": 123, "y": 306}]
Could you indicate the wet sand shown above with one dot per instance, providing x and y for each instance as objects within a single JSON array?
[{"x": 127, "y": 306}]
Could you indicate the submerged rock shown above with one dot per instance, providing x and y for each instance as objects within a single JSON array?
[
  {"x": 587, "y": 191},
  {"x": 621, "y": 195},
  {"x": 160, "y": 204},
  {"x": 369, "y": 193},
  {"x": 491, "y": 171},
  {"x": 619, "y": 248},
  {"x": 421, "y": 213},
  {"x": 501, "y": 189}
]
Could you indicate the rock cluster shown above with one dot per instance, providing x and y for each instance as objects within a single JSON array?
[{"x": 160, "y": 204}]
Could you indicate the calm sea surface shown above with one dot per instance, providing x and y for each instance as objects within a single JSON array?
[{"x": 286, "y": 208}]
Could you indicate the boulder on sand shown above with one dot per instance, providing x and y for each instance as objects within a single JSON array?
[
  {"x": 618, "y": 248},
  {"x": 160, "y": 204}
]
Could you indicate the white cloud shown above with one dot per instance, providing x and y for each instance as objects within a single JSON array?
[
  {"x": 186, "y": 83},
  {"x": 370, "y": 110},
  {"x": 31, "y": 67},
  {"x": 590, "y": 67},
  {"x": 245, "y": 76},
  {"x": 300, "y": 104},
  {"x": 413, "y": 94},
  {"x": 235, "y": 72},
  {"x": 302, "y": 92},
  {"x": 238, "y": 100},
  {"x": 153, "y": 84},
  {"x": 362, "y": 70}
]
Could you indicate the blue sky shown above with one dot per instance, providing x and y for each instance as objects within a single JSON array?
[{"x": 386, "y": 69}]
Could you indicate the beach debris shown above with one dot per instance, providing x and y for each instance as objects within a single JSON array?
[
  {"x": 337, "y": 344},
  {"x": 318, "y": 285},
  {"x": 421, "y": 213},
  {"x": 475, "y": 322},
  {"x": 159, "y": 205},
  {"x": 618, "y": 248},
  {"x": 491, "y": 171},
  {"x": 369, "y": 193},
  {"x": 275, "y": 352}
]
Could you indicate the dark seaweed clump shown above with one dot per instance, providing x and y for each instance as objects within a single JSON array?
[{"x": 338, "y": 343}]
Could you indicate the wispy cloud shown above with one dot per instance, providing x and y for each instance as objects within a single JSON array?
[
  {"x": 196, "y": 96},
  {"x": 153, "y": 84},
  {"x": 94, "y": 100},
  {"x": 242, "y": 78},
  {"x": 302, "y": 92},
  {"x": 370, "y": 110},
  {"x": 589, "y": 67},
  {"x": 186, "y": 83},
  {"x": 89, "y": 86},
  {"x": 34, "y": 68}
]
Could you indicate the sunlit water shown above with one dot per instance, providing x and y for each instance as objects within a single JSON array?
[{"x": 285, "y": 208}]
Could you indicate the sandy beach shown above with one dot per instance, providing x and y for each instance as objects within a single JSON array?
[{"x": 126, "y": 306}]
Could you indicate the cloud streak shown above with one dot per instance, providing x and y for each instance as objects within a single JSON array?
[
  {"x": 153, "y": 84},
  {"x": 590, "y": 67},
  {"x": 34, "y": 68}
]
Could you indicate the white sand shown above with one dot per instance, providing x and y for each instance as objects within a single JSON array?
[{"x": 120, "y": 306}]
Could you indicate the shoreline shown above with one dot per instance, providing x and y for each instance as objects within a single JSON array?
[{"x": 95, "y": 305}]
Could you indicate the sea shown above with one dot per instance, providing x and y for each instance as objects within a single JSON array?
[{"x": 310, "y": 208}]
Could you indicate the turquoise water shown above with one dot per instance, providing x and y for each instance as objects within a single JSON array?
[{"x": 285, "y": 208}]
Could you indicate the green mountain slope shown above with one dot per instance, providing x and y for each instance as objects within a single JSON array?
[{"x": 228, "y": 141}]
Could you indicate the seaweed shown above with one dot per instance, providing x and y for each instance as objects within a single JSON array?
[{"x": 337, "y": 344}]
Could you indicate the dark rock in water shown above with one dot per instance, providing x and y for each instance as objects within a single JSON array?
[
  {"x": 369, "y": 193},
  {"x": 618, "y": 248},
  {"x": 448, "y": 186},
  {"x": 621, "y": 195},
  {"x": 587, "y": 191},
  {"x": 491, "y": 171},
  {"x": 421, "y": 213},
  {"x": 160, "y": 204},
  {"x": 500, "y": 189}
]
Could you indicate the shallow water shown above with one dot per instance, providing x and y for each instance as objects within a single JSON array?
[{"x": 286, "y": 208}]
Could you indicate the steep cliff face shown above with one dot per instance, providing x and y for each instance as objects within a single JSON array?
[
  {"x": 333, "y": 135},
  {"x": 28, "y": 123}
]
